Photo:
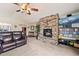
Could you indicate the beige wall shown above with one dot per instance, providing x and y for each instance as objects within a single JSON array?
[
  {"x": 16, "y": 21},
  {"x": 28, "y": 28},
  {"x": 13, "y": 22}
]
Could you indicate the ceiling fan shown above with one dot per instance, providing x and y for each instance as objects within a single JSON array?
[{"x": 25, "y": 7}]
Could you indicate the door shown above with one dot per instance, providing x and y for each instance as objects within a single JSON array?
[{"x": 24, "y": 30}]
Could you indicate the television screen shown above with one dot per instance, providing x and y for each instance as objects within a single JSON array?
[{"x": 47, "y": 32}]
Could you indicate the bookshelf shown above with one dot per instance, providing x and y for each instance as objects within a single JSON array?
[
  {"x": 69, "y": 36},
  {"x": 69, "y": 31}
]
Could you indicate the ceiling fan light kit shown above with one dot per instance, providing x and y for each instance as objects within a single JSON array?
[{"x": 25, "y": 7}]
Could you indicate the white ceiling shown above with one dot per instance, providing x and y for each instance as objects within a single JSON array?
[{"x": 45, "y": 9}]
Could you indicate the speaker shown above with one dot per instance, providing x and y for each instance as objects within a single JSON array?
[{"x": 68, "y": 15}]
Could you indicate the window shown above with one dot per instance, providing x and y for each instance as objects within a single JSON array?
[{"x": 5, "y": 27}]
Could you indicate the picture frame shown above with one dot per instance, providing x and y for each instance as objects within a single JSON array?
[{"x": 32, "y": 27}]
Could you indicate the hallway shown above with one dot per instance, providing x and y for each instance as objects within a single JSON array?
[{"x": 39, "y": 48}]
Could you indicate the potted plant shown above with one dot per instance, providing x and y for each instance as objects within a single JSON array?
[{"x": 37, "y": 30}]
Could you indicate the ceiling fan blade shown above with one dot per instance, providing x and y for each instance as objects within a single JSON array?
[
  {"x": 16, "y": 4},
  {"x": 34, "y": 9},
  {"x": 18, "y": 10},
  {"x": 28, "y": 3},
  {"x": 29, "y": 13}
]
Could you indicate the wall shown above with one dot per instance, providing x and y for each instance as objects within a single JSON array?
[
  {"x": 14, "y": 22},
  {"x": 29, "y": 28}
]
